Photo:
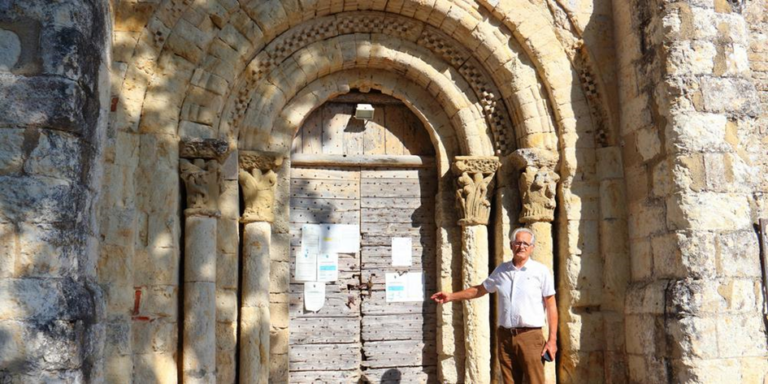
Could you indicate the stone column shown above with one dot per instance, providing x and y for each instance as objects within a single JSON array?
[
  {"x": 474, "y": 188},
  {"x": 199, "y": 170},
  {"x": 258, "y": 180},
  {"x": 538, "y": 189}
]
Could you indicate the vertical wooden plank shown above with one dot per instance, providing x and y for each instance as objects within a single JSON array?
[
  {"x": 373, "y": 138},
  {"x": 395, "y": 127},
  {"x": 333, "y": 131},
  {"x": 353, "y": 132},
  {"x": 311, "y": 133}
]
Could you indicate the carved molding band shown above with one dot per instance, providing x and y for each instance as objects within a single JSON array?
[
  {"x": 258, "y": 180},
  {"x": 201, "y": 181},
  {"x": 538, "y": 184},
  {"x": 203, "y": 149},
  {"x": 474, "y": 187}
]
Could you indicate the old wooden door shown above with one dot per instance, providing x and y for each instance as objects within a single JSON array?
[{"x": 358, "y": 336}]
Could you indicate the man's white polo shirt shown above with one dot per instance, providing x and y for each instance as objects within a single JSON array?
[{"x": 521, "y": 293}]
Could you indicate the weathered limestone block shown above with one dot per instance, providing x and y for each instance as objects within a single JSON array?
[
  {"x": 43, "y": 101},
  {"x": 226, "y": 306},
  {"x": 256, "y": 265},
  {"x": 226, "y": 369},
  {"x": 708, "y": 211},
  {"x": 200, "y": 257},
  {"x": 477, "y": 331},
  {"x": 156, "y": 265},
  {"x": 158, "y": 302},
  {"x": 11, "y": 154},
  {"x": 199, "y": 363},
  {"x": 227, "y": 271},
  {"x": 254, "y": 344},
  {"x": 278, "y": 369},
  {"x": 155, "y": 368},
  {"x": 152, "y": 337}
]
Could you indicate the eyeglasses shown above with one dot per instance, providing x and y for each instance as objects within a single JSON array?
[{"x": 522, "y": 244}]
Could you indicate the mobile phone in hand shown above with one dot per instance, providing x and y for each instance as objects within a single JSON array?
[{"x": 547, "y": 356}]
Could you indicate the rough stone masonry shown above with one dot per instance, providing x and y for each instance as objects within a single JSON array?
[{"x": 630, "y": 135}]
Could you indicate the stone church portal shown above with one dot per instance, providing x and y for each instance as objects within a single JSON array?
[{"x": 161, "y": 161}]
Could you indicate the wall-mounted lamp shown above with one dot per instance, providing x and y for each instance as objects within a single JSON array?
[{"x": 364, "y": 112}]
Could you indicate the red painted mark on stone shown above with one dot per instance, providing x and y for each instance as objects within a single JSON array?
[
  {"x": 113, "y": 106},
  {"x": 136, "y": 302}
]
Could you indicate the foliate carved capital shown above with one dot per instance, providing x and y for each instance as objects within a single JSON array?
[
  {"x": 203, "y": 149},
  {"x": 258, "y": 180},
  {"x": 200, "y": 178},
  {"x": 474, "y": 187},
  {"x": 474, "y": 164},
  {"x": 250, "y": 160},
  {"x": 538, "y": 184}
]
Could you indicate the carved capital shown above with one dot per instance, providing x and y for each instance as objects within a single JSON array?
[
  {"x": 258, "y": 180},
  {"x": 200, "y": 179},
  {"x": 538, "y": 184},
  {"x": 203, "y": 149},
  {"x": 474, "y": 185},
  {"x": 533, "y": 157}
]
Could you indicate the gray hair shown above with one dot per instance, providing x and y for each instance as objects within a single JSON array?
[{"x": 526, "y": 230}]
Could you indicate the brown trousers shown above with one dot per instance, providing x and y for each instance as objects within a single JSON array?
[{"x": 520, "y": 355}]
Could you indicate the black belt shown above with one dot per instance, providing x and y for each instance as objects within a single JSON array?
[{"x": 519, "y": 330}]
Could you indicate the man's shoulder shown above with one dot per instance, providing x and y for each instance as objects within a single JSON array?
[{"x": 536, "y": 266}]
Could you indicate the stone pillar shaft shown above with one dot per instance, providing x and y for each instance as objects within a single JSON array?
[
  {"x": 200, "y": 234},
  {"x": 254, "y": 310},
  {"x": 538, "y": 186},
  {"x": 477, "y": 329},
  {"x": 257, "y": 180},
  {"x": 474, "y": 188},
  {"x": 199, "y": 330}
]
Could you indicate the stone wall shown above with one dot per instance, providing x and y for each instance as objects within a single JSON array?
[
  {"x": 53, "y": 98},
  {"x": 756, "y": 15},
  {"x": 689, "y": 122}
]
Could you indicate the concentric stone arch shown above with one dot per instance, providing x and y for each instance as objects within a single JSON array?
[{"x": 192, "y": 70}]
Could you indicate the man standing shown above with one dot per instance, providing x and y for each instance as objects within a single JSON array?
[{"x": 526, "y": 290}]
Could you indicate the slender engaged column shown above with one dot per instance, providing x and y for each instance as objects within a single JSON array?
[
  {"x": 538, "y": 190},
  {"x": 199, "y": 315},
  {"x": 474, "y": 188},
  {"x": 258, "y": 180}
]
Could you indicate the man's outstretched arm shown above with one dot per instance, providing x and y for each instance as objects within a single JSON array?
[{"x": 467, "y": 294}]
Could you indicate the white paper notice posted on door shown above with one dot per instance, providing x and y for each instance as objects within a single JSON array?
[
  {"x": 402, "y": 255},
  {"x": 306, "y": 265},
  {"x": 406, "y": 287},
  {"x": 314, "y": 296},
  {"x": 327, "y": 267}
]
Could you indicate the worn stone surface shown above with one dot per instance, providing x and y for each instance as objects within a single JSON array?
[{"x": 654, "y": 113}]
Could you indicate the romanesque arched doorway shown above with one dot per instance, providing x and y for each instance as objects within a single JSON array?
[
  {"x": 484, "y": 80},
  {"x": 378, "y": 179}
]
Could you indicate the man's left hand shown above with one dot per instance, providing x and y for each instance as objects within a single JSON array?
[{"x": 551, "y": 346}]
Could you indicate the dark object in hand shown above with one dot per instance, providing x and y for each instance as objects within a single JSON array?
[{"x": 547, "y": 356}]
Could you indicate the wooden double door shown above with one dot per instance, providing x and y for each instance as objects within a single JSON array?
[{"x": 358, "y": 336}]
